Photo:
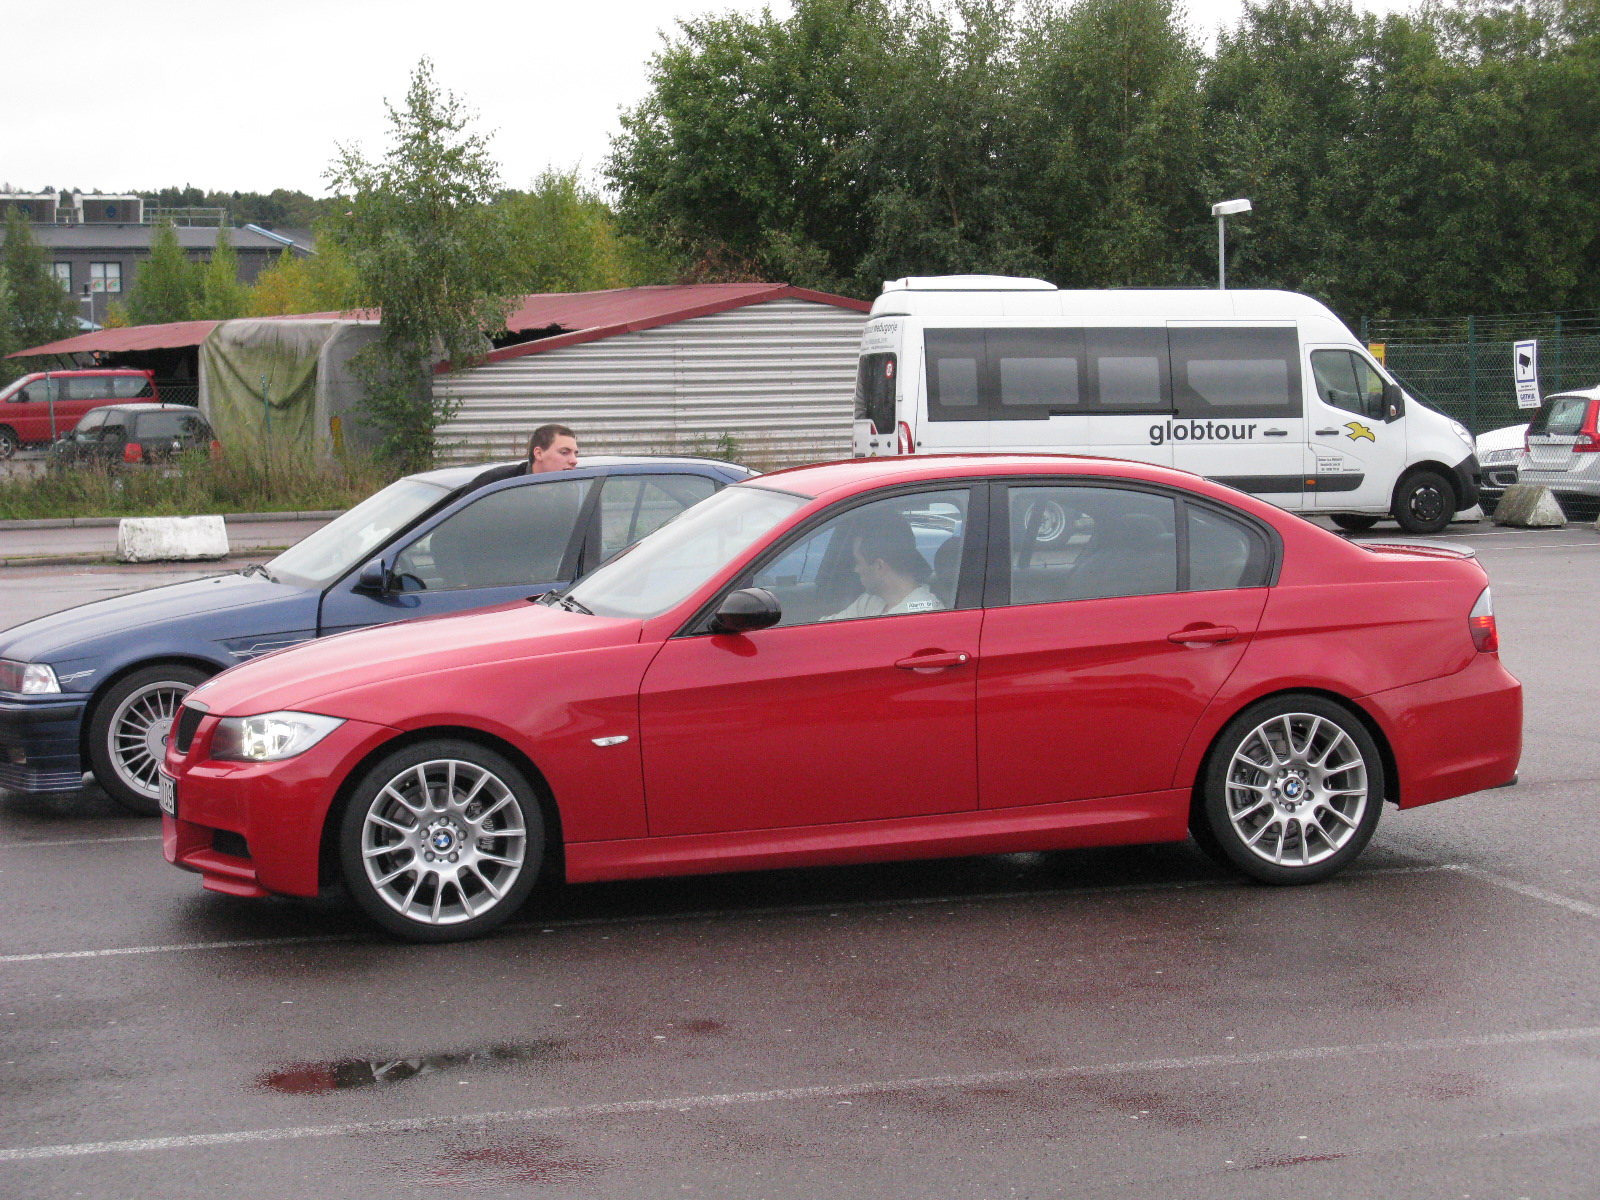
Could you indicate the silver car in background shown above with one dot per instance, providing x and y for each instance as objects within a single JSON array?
[
  {"x": 1498, "y": 452},
  {"x": 1564, "y": 451}
]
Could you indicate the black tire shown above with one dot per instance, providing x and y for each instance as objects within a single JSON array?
[
  {"x": 1354, "y": 522},
  {"x": 148, "y": 697},
  {"x": 8, "y": 441},
  {"x": 450, "y": 898},
  {"x": 1254, "y": 764},
  {"x": 1424, "y": 502}
]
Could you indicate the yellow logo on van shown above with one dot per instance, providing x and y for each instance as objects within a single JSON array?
[{"x": 1358, "y": 431}]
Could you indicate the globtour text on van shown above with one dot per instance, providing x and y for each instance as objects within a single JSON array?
[{"x": 1201, "y": 431}]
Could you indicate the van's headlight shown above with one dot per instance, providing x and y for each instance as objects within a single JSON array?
[
  {"x": 270, "y": 736},
  {"x": 1463, "y": 433},
  {"x": 28, "y": 679}
]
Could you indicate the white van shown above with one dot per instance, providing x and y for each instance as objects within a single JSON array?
[{"x": 1265, "y": 391}]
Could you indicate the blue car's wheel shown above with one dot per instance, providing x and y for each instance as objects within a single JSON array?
[{"x": 128, "y": 732}]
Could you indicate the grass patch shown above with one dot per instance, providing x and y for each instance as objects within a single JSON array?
[{"x": 276, "y": 480}]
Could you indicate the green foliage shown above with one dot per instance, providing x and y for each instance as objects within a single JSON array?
[
  {"x": 221, "y": 296},
  {"x": 307, "y": 283},
  {"x": 1446, "y": 159},
  {"x": 34, "y": 309},
  {"x": 166, "y": 285},
  {"x": 563, "y": 238},
  {"x": 276, "y": 479},
  {"x": 429, "y": 247},
  {"x": 280, "y": 208}
]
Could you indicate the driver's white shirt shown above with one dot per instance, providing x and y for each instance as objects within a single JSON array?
[{"x": 918, "y": 599}]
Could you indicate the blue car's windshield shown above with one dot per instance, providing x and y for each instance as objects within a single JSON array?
[{"x": 349, "y": 540}]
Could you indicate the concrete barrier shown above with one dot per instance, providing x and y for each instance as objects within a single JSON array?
[
  {"x": 1529, "y": 506},
  {"x": 171, "y": 539}
]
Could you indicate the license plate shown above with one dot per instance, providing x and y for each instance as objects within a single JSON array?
[{"x": 169, "y": 794}]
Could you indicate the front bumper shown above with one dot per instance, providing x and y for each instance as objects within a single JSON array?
[
  {"x": 39, "y": 741},
  {"x": 1469, "y": 479},
  {"x": 255, "y": 829}
]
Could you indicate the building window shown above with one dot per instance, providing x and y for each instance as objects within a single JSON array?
[
  {"x": 63, "y": 273},
  {"x": 105, "y": 277}
]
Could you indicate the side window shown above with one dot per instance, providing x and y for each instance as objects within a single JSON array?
[
  {"x": 89, "y": 387},
  {"x": 1236, "y": 372},
  {"x": 875, "y": 390},
  {"x": 1337, "y": 382},
  {"x": 38, "y": 392},
  {"x": 129, "y": 387},
  {"x": 114, "y": 432},
  {"x": 887, "y": 558},
  {"x": 1223, "y": 553},
  {"x": 516, "y": 536},
  {"x": 955, "y": 364},
  {"x": 1037, "y": 372},
  {"x": 1079, "y": 543},
  {"x": 632, "y": 506},
  {"x": 1128, "y": 370},
  {"x": 88, "y": 429}
]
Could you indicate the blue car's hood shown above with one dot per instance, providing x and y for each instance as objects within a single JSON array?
[{"x": 217, "y": 609}]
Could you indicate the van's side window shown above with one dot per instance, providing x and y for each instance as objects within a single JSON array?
[
  {"x": 1035, "y": 374},
  {"x": 1346, "y": 380},
  {"x": 1038, "y": 372},
  {"x": 1230, "y": 373},
  {"x": 955, "y": 362},
  {"x": 1128, "y": 369}
]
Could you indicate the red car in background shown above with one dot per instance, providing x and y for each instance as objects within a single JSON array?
[
  {"x": 858, "y": 661},
  {"x": 41, "y": 408}
]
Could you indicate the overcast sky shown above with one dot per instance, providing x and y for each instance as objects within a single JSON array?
[{"x": 119, "y": 96}]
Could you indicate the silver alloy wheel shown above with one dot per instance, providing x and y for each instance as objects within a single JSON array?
[
  {"x": 443, "y": 841},
  {"x": 1297, "y": 789},
  {"x": 138, "y": 734}
]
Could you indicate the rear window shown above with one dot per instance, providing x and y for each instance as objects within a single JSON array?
[
  {"x": 160, "y": 425},
  {"x": 875, "y": 391},
  {"x": 1561, "y": 415}
]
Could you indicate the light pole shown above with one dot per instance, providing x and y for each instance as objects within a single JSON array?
[{"x": 1222, "y": 212}]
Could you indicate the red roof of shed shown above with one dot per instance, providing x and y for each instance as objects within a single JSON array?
[{"x": 581, "y": 316}]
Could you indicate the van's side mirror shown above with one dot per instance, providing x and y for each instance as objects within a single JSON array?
[
  {"x": 374, "y": 578},
  {"x": 746, "y": 610},
  {"x": 1394, "y": 403}
]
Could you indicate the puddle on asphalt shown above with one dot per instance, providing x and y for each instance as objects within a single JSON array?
[{"x": 317, "y": 1079}]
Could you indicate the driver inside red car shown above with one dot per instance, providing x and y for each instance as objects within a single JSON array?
[{"x": 892, "y": 571}]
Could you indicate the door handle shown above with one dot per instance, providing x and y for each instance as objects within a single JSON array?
[
  {"x": 1327, "y": 433},
  {"x": 1209, "y": 635},
  {"x": 1274, "y": 433},
  {"x": 938, "y": 661}
]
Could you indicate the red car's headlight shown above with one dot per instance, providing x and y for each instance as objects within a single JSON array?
[{"x": 270, "y": 736}]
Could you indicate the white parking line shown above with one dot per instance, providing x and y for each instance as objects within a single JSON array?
[
  {"x": 143, "y": 837},
  {"x": 833, "y": 1091},
  {"x": 700, "y": 915},
  {"x": 1582, "y": 907}
]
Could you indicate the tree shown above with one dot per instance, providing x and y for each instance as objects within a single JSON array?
[
  {"x": 430, "y": 249},
  {"x": 220, "y": 296},
  {"x": 307, "y": 283},
  {"x": 564, "y": 238},
  {"x": 167, "y": 285},
  {"x": 38, "y": 309}
]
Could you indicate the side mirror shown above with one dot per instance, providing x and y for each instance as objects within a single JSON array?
[
  {"x": 1394, "y": 403},
  {"x": 746, "y": 610},
  {"x": 374, "y": 578}
]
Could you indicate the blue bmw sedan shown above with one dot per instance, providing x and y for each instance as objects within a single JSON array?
[{"x": 97, "y": 687}]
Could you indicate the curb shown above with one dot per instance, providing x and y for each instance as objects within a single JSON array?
[
  {"x": 110, "y": 559},
  {"x": 111, "y": 522}
]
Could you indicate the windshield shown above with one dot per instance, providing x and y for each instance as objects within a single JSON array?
[
  {"x": 346, "y": 541},
  {"x": 670, "y": 564}
]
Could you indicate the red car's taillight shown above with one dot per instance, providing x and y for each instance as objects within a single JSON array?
[
  {"x": 133, "y": 452},
  {"x": 904, "y": 443},
  {"x": 216, "y": 448},
  {"x": 1480, "y": 622}
]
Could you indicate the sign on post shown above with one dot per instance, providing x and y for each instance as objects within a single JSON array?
[{"x": 1525, "y": 370}]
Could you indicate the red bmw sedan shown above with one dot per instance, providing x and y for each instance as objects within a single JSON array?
[{"x": 859, "y": 661}]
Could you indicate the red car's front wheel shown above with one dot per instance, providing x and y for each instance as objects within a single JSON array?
[{"x": 442, "y": 841}]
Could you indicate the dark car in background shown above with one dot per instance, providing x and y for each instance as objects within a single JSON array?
[
  {"x": 97, "y": 687},
  {"x": 39, "y": 408},
  {"x": 134, "y": 433}
]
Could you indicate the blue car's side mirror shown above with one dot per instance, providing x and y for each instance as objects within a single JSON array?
[{"x": 374, "y": 578}]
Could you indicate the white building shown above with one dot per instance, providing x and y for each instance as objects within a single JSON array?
[{"x": 760, "y": 371}]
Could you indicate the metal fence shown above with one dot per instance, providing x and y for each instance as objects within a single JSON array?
[{"x": 1463, "y": 365}]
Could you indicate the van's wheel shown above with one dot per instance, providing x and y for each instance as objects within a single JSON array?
[
  {"x": 441, "y": 841},
  {"x": 1354, "y": 522},
  {"x": 1424, "y": 502},
  {"x": 1291, "y": 792},
  {"x": 8, "y": 441},
  {"x": 128, "y": 732}
]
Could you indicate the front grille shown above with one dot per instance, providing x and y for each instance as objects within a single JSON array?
[{"x": 188, "y": 722}]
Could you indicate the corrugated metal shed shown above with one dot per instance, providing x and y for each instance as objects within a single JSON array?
[
  {"x": 155, "y": 337},
  {"x": 775, "y": 376}
]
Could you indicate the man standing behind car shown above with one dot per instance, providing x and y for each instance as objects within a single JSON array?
[{"x": 552, "y": 448}]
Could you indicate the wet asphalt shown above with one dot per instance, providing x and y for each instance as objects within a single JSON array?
[{"x": 1110, "y": 1023}]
